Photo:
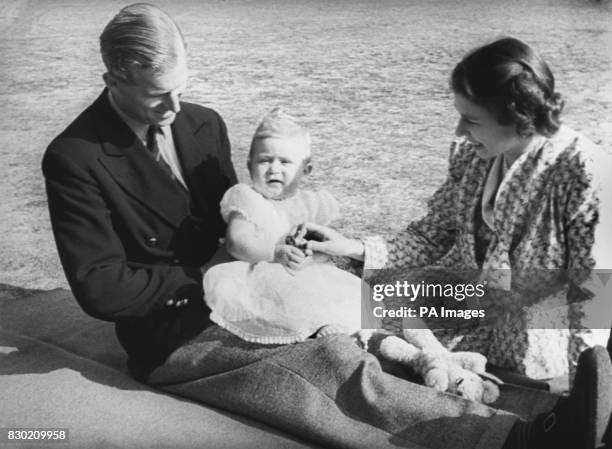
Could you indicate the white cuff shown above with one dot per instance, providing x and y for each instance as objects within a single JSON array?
[{"x": 375, "y": 253}]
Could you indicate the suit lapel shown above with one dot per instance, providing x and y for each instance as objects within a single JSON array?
[{"x": 128, "y": 162}]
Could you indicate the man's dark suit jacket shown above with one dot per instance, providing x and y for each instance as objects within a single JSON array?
[{"x": 130, "y": 238}]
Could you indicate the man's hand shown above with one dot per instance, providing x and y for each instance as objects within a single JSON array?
[
  {"x": 292, "y": 258},
  {"x": 328, "y": 241}
]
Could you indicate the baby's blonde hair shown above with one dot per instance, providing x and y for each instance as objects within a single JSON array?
[{"x": 277, "y": 123}]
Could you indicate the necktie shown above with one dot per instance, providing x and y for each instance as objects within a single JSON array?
[{"x": 155, "y": 136}]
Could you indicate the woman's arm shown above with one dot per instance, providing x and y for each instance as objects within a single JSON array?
[
  {"x": 331, "y": 242},
  {"x": 425, "y": 240},
  {"x": 422, "y": 242}
]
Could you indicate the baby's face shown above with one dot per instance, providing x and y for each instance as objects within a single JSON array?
[{"x": 278, "y": 165}]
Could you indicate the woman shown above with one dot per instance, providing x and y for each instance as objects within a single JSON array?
[{"x": 524, "y": 204}]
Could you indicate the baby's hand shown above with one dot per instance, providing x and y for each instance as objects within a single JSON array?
[{"x": 292, "y": 258}]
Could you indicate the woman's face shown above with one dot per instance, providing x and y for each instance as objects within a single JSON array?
[{"x": 489, "y": 137}]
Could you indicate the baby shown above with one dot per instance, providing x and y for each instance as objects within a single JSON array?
[{"x": 278, "y": 292}]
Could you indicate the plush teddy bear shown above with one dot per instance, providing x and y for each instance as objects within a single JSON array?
[{"x": 461, "y": 373}]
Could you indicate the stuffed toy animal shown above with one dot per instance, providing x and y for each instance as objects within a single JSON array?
[
  {"x": 461, "y": 373},
  {"x": 299, "y": 238}
]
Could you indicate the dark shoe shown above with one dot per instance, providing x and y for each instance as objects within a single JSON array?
[{"x": 580, "y": 420}]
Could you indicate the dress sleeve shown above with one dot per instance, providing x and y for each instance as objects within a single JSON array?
[
  {"x": 243, "y": 200},
  {"x": 425, "y": 240}
]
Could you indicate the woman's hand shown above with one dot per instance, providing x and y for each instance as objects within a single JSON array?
[
  {"x": 292, "y": 258},
  {"x": 326, "y": 240}
]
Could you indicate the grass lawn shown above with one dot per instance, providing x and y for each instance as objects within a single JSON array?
[{"x": 368, "y": 77}]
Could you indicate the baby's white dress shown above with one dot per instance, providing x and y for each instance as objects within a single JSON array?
[{"x": 263, "y": 302}]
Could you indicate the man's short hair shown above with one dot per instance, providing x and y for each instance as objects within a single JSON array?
[{"x": 140, "y": 36}]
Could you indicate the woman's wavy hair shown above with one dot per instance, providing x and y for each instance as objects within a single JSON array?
[{"x": 510, "y": 79}]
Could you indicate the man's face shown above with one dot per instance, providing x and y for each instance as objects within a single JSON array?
[{"x": 150, "y": 98}]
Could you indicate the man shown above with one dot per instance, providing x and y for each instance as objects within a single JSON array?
[
  {"x": 131, "y": 237},
  {"x": 134, "y": 185}
]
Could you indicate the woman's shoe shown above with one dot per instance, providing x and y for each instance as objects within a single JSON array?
[{"x": 579, "y": 420}]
